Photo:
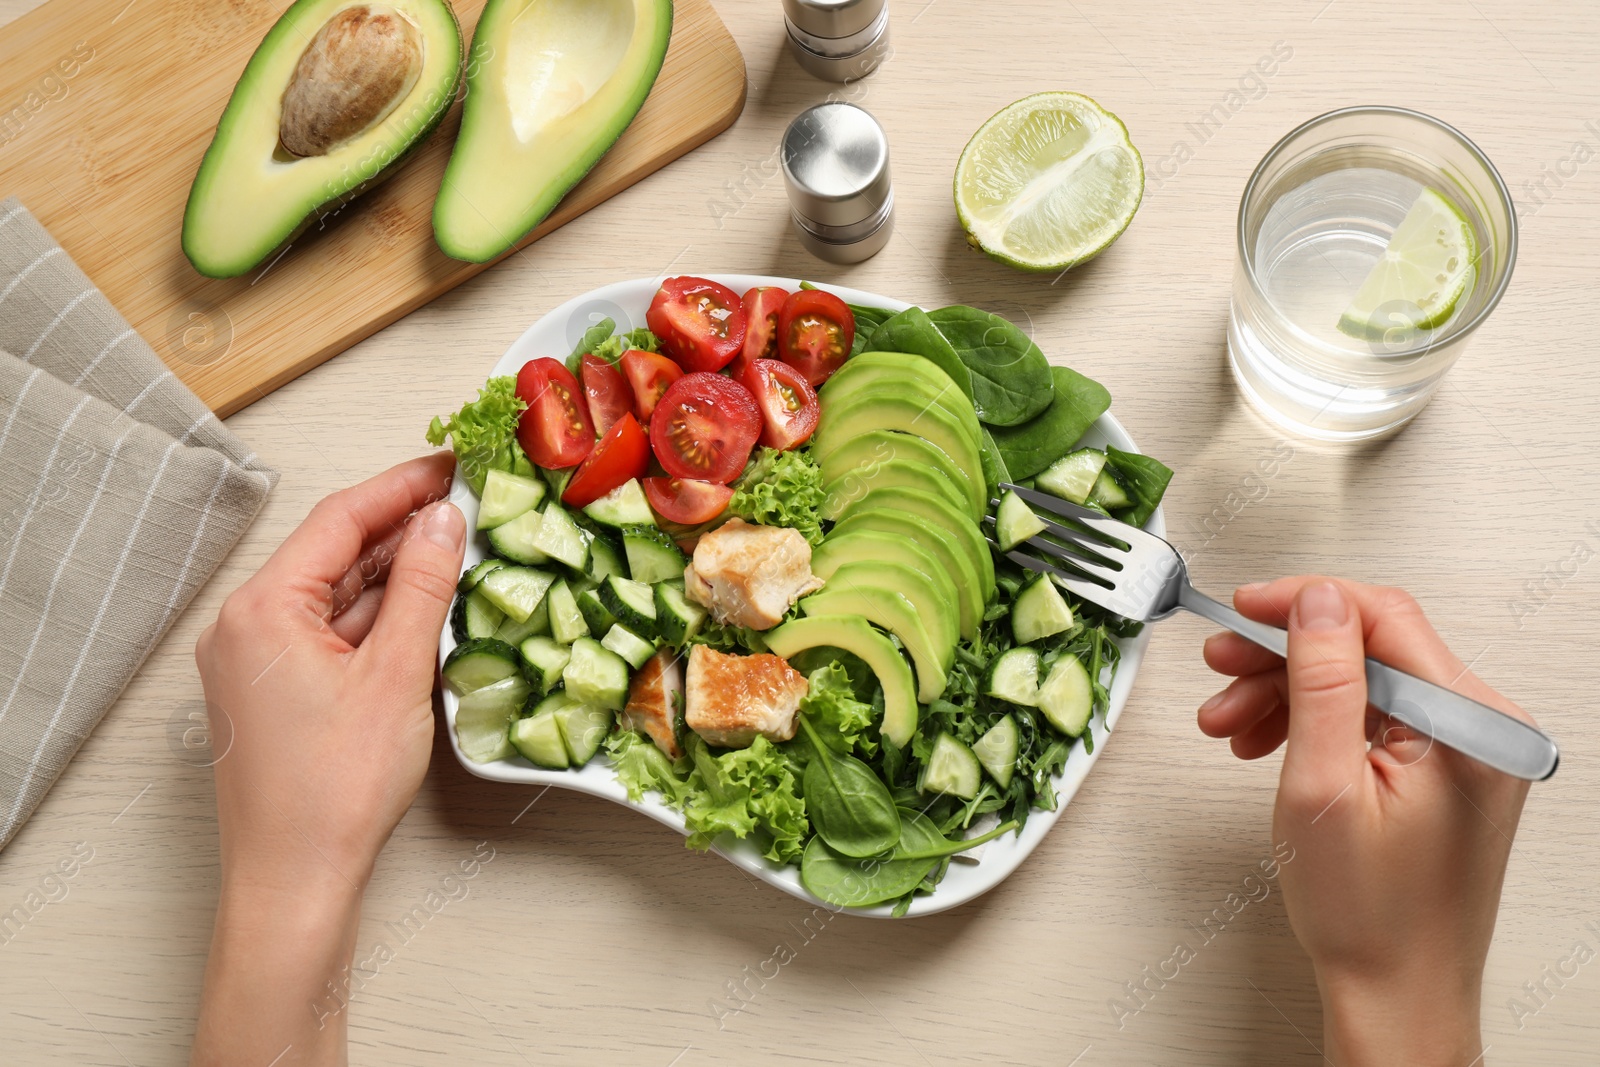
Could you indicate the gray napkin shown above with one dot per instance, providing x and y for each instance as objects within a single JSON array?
[{"x": 120, "y": 493}]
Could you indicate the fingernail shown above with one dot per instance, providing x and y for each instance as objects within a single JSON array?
[
  {"x": 1215, "y": 702},
  {"x": 1321, "y": 607},
  {"x": 444, "y": 526}
]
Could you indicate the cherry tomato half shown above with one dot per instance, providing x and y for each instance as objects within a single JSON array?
[
  {"x": 705, "y": 427},
  {"x": 815, "y": 332},
  {"x": 789, "y": 408},
  {"x": 687, "y": 500},
  {"x": 700, "y": 323},
  {"x": 623, "y": 453},
  {"x": 555, "y": 430},
  {"x": 649, "y": 374},
  {"x": 761, "y": 306},
  {"x": 607, "y": 391}
]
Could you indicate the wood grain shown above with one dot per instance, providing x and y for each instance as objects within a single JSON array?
[
  {"x": 595, "y": 937},
  {"x": 115, "y": 103}
]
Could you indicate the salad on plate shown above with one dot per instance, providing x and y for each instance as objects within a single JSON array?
[{"x": 739, "y": 565}]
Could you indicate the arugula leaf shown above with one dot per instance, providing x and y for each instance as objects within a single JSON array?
[
  {"x": 781, "y": 489},
  {"x": 484, "y": 433},
  {"x": 1146, "y": 479}
]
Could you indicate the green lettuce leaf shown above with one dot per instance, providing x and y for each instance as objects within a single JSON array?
[
  {"x": 741, "y": 790},
  {"x": 642, "y": 767},
  {"x": 781, "y": 489},
  {"x": 484, "y": 433},
  {"x": 830, "y": 705}
]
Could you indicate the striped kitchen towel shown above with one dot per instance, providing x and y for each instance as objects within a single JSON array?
[{"x": 120, "y": 493}]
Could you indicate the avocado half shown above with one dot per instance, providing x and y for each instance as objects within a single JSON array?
[
  {"x": 335, "y": 96},
  {"x": 551, "y": 85}
]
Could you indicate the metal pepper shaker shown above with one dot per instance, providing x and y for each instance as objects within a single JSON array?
[
  {"x": 838, "y": 40},
  {"x": 836, "y": 168}
]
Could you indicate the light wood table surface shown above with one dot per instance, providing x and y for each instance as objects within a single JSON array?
[{"x": 594, "y": 936}]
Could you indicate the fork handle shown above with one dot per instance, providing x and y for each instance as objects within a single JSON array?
[{"x": 1486, "y": 734}]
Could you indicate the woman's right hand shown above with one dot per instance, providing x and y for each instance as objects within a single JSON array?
[{"x": 1400, "y": 848}]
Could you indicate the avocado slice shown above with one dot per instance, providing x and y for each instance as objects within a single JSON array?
[
  {"x": 876, "y": 369},
  {"x": 876, "y": 382},
  {"x": 853, "y": 483},
  {"x": 551, "y": 85},
  {"x": 898, "y": 363},
  {"x": 917, "y": 539},
  {"x": 336, "y": 95},
  {"x": 892, "y": 611},
  {"x": 854, "y": 635},
  {"x": 858, "y": 413},
  {"x": 873, "y": 560},
  {"x": 930, "y": 508},
  {"x": 890, "y": 446}
]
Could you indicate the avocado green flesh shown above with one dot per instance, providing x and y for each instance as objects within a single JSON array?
[
  {"x": 854, "y": 635},
  {"x": 864, "y": 453},
  {"x": 897, "y": 372},
  {"x": 861, "y": 563},
  {"x": 930, "y": 508},
  {"x": 910, "y": 531},
  {"x": 250, "y": 195},
  {"x": 893, "y": 612},
  {"x": 860, "y": 413},
  {"x": 838, "y": 494},
  {"x": 552, "y": 85}
]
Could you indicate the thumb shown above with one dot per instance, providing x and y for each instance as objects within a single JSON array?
[
  {"x": 1327, "y": 695},
  {"x": 422, "y": 581}
]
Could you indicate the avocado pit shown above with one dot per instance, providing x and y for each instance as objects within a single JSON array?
[{"x": 362, "y": 62}]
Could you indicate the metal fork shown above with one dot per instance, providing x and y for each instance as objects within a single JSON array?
[{"x": 1140, "y": 576}]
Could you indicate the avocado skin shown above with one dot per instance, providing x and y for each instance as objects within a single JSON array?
[{"x": 246, "y": 96}]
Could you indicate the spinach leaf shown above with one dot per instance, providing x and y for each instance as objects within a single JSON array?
[
  {"x": 994, "y": 465},
  {"x": 868, "y": 320},
  {"x": 913, "y": 332},
  {"x": 1146, "y": 479},
  {"x": 1033, "y": 446},
  {"x": 849, "y": 805},
  {"x": 856, "y": 882},
  {"x": 1010, "y": 376}
]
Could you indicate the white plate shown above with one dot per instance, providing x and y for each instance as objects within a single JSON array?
[{"x": 556, "y": 335}]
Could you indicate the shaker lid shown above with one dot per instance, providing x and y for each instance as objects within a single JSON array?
[
  {"x": 836, "y": 164},
  {"x": 833, "y": 18}
]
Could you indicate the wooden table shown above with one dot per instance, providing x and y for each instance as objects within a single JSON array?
[{"x": 594, "y": 936}]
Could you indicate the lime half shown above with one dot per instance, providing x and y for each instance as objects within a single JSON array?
[
  {"x": 1427, "y": 267},
  {"x": 1048, "y": 182}
]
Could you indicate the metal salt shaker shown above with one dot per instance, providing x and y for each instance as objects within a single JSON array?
[
  {"x": 836, "y": 168},
  {"x": 838, "y": 40}
]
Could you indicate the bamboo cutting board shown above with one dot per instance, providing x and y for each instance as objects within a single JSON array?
[{"x": 106, "y": 107}]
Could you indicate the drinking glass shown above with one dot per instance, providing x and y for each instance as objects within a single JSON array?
[{"x": 1315, "y": 218}]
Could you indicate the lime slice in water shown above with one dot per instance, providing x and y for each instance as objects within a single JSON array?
[
  {"x": 1421, "y": 276},
  {"x": 1048, "y": 182}
]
